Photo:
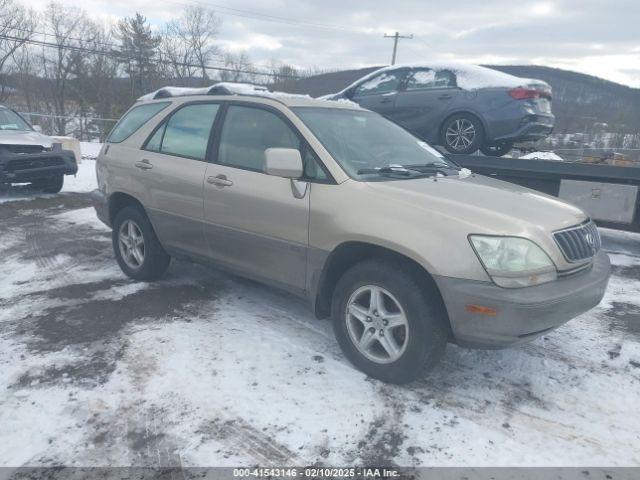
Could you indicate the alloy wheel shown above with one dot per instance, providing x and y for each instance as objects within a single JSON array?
[
  {"x": 131, "y": 243},
  {"x": 460, "y": 134},
  {"x": 377, "y": 324}
]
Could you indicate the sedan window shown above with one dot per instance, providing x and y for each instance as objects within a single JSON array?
[
  {"x": 386, "y": 82},
  {"x": 427, "y": 79}
]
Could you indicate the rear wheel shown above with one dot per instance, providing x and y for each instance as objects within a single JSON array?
[
  {"x": 497, "y": 150},
  {"x": 49, "y": 185},
  {"x": 462, "y": 133},
  {"x": 136, "y": 246},
  {"x": 386, "y": 324}
]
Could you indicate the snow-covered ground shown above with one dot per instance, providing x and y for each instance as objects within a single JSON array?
[{"x": 204, "y": 369}]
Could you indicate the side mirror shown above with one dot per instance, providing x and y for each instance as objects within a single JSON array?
[
  {"x": 37, "y": 128},
  {"x": 283, "y": 162}
]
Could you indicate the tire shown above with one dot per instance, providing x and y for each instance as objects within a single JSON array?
[
  {"x": 49, "y": 185},
  {"x": 462, "y": 133},
  {"x": 422, "y": 340},
  {"x": 151, "y": 261},
  {"x": 497, "y": 150}
]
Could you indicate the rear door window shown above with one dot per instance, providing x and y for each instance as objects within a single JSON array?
[
  {"x": 134, "y": 119},
  {"x": 186, "y": 133},
  {"x": 425, "y": 79}
]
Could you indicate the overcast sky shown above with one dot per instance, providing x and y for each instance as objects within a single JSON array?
[{"x": 599, "y": 37}]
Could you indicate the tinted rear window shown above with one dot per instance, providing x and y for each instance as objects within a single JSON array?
[{"x": 133, "y": 120}]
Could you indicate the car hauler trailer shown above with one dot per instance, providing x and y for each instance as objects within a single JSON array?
[{"x": 608, "y": 193}]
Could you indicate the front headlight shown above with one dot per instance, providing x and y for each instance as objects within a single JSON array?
[{"x": 513, "y": 262}]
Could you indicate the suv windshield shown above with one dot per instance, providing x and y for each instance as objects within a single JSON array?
[
  {"x": 367, "y": 145},
  {"x": 10, "y": 120}
]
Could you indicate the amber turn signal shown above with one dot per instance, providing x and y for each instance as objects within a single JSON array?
[{"x": 481, "y": 310}]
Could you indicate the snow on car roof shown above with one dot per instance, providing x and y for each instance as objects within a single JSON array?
[
  {"x": 228, "y": 88},
  {"x": 468, "y": 76}
]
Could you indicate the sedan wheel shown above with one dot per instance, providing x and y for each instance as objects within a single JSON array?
[
  {"x": 460, "y": 134},
  {"x": 131, "y": 243},
  {"x": 377, "y": 324}
]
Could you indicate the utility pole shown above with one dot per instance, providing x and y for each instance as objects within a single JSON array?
[{"x": 395, "y": 37}]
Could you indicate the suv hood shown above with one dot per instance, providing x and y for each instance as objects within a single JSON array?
[
  {"x": 486, "y": 205},
  {"x": 23, "y": 137}
]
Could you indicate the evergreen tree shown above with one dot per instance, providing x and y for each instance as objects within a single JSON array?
[{"x": 138, "y": 52}]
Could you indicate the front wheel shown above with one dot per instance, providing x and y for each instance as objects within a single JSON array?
[
  {"x": 386, "y": 324},
  {"x": 497, "y": 150},
  {"x": 462, "y": 133}
]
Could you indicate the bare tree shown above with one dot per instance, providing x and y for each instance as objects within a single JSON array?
[
  {"x": 187, "y": 42},
  {"x": 73, "y": 34},
  {"x": 26, "y": 69},
  {"x": 175, "y": 55},
  {"x": 99, "y": 95},
  {"x": 202, "y": 26},
  {"x": 17, "y": 25},
  {"x": 239, "y": 68}
]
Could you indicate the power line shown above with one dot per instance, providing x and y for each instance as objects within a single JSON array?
[
  {"x": 113, "y": 46},
  {"x": 121, "y": 56},
  {"x": 266, "y": 17}
]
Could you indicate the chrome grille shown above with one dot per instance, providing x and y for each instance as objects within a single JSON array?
[{"x": 579, "y": 243}]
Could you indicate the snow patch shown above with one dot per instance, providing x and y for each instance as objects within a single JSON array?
[
  {"x": 221, "y": 88},
  {"x": 90, "y": 150},
  {"x": 543, "y": 156}
]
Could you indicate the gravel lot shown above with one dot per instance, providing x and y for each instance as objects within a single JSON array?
[{"x": 206, "y": 369}]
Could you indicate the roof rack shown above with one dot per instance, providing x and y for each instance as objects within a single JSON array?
[{"x": 221, "y": 88}]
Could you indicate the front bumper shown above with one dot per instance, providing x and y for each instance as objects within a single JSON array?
[
  {"x": 522, "y": 313},
  {"x": 27, "y": 167}
]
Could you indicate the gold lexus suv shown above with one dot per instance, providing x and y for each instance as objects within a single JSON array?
[{"x": 402, "y": 248}]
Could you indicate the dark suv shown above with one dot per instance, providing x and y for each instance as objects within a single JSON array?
[{"x": 464, "y": 108}]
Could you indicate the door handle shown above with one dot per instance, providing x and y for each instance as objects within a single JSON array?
[
  {"x": 144, "y": 165},
  {"x": 220, "y": 181},
  {"x": 444, "y": 96},
  {"x": 388, "y": 97}
]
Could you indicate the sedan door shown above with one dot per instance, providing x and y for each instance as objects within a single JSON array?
[
  {"x": 255, "y": 224},
  {"x": 379, "y": 93},
  {"x": 424, "y": 100},
  {"x": 173, "y": 164}
]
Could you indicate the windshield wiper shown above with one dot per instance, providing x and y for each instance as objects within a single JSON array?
[
  {"x": 433, "y": 166},
  {"x": 390, "y": 169},
  {"x": 442, "y": 168}
]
